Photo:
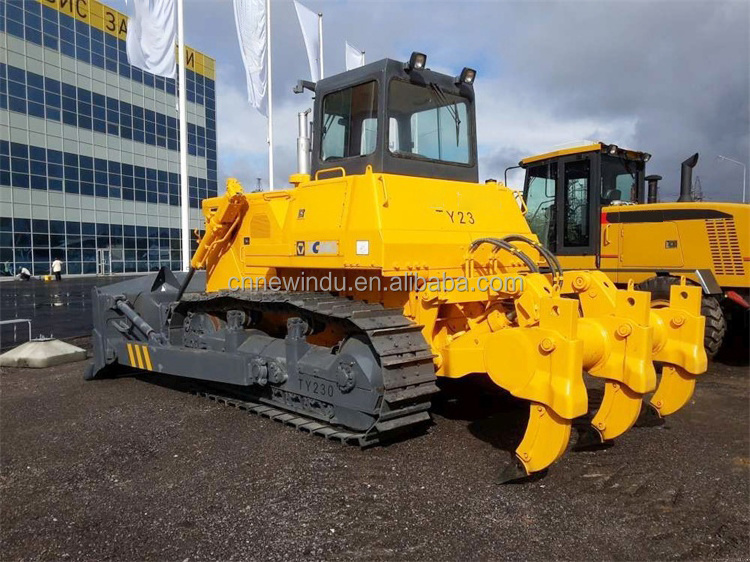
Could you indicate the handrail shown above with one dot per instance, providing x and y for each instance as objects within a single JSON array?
[
  {"x": 17, "y": 321},
  {"x": 326, "y": 170},
  {"x": 518, "y": 196}
]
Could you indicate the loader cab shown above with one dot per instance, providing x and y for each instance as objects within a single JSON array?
[
  {"x": 566, "y": 189},
  {"x": 398, "y": 118}
]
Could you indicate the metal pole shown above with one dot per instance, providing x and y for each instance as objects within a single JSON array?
[
  {"x": 744, "y": 175},
  {"x": 320, "y": 44},
  {"x": 182, "y": 106},
  {"x": 269, "y": 80},
  {"x": 303, "y": 143}
]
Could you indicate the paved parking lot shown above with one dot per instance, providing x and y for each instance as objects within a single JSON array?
[{"x": 61, "y": 309}]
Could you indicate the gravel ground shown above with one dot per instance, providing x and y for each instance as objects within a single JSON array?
[{"x": 128, "y": 469}]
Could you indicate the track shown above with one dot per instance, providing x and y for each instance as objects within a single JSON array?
[{"x": 403, "y": 354}]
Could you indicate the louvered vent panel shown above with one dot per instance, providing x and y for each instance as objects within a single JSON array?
[{"x": 725, "y": 248}]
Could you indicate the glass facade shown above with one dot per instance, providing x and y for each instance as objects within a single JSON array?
[{"x": 89, "y": 145}]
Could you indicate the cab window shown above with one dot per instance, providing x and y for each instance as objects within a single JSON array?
[
  {"x": 540, "y": 201},
  {"x": 620, "y": 179},
  {"x": 426, "y": 122},
  {"x": 576, "y": 216},
  {"x": 350, "y": 121}
]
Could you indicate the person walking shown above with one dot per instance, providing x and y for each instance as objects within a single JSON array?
[{"x": 57, "y": 269}]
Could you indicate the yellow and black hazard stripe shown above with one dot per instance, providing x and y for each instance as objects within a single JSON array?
[{"x": 139, "y": 356}]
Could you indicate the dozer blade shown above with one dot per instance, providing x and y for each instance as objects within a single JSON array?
[{"x": 675, "y": 390}]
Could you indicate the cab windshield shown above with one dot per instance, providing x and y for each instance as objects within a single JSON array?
[
  {"x": 426, "y": 122},
  {"x": 620, "y": 179}
]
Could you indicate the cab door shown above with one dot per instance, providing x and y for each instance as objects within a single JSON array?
[{"x": 577, "y": 212}]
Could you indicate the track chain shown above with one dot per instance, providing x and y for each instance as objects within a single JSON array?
[{"x": 405, "y": 357}]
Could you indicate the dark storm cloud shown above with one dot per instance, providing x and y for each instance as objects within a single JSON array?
[
  {"x": 680, "y": 68},
  {"x": 667, "y": 77}
]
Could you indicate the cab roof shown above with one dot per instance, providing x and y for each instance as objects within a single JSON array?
[{"x": 583, "y": 147}]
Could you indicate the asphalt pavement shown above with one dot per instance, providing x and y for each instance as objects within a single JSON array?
[{"x": 60, "y": 309}]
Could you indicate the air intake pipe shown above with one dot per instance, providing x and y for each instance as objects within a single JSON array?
[
  {"x": 303, "y": 143},
  {"x": 653, "y": 188},
  {"x": 686, "y": 179}
]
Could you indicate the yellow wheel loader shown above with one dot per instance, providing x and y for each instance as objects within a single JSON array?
[
  {"x": 591, "y": 205},
  {"x": 335, "y": 305}
]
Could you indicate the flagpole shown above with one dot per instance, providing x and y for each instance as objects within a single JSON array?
[
  {"x": 320, "y": 43},
  {"x": 270, "y": 96},
  {"x": 182, "y": 101}
]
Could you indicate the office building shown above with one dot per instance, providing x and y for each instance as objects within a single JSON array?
[{"x": 89, "y": 145}]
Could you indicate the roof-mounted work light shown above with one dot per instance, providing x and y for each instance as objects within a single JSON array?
[
  {"x": 417, "y": 61},
  {"x": 467, "y": 76}
]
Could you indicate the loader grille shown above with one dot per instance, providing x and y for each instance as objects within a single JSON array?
[{"x": 725, "y": 248}]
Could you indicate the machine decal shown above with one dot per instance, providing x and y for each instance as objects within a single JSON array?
[
  {"x": 319, "y": 388},
  {"x": 139, "y": 356},
  {"x": 323, "y": 247},
  {"x": 670, "y": 244},
  {"x": 363, "y": 247},
  {"x": 460, "y": 217},
  {"x": 300, "y": 248}
]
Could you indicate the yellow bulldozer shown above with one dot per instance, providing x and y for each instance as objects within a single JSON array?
[
  {"x": 334, "y": 306},
  {"x": 593, "y": 207}
]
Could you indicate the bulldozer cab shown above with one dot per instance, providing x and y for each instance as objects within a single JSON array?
[
  {"x": 565, "y": 191},
  {"x": 397, "y": 118}
]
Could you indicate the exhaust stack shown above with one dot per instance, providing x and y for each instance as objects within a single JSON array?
[
  {"x": 686, "y": 179},
  {"x": 303, "y": 143},
  {"x": 653, "y": 188}
]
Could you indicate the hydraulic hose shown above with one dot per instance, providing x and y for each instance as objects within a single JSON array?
[
  {"x": 549, "y": 257},
  {"x": 504, "y": 245}
]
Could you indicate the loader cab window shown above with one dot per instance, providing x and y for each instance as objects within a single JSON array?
[
  {"x": 620, "y": 179},
  {"x": 540, "y": 200},
  {"x": 427, "y": 123},
  {"x": 576, "y": 217},
  {"x": 350, "y": 122}
]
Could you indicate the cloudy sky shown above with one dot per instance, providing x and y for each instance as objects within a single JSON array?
[{"x": 670, "y": 77}]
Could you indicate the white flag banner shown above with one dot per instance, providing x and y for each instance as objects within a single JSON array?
[
  {"x": 251, "y": 19},
  {"x": 308, "y": 21},
  {"x": 354, "y": 57},
  {"x": 152, "y": 34}
]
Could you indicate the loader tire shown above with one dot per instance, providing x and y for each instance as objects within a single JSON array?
[{"x": 716, "y": 322}]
